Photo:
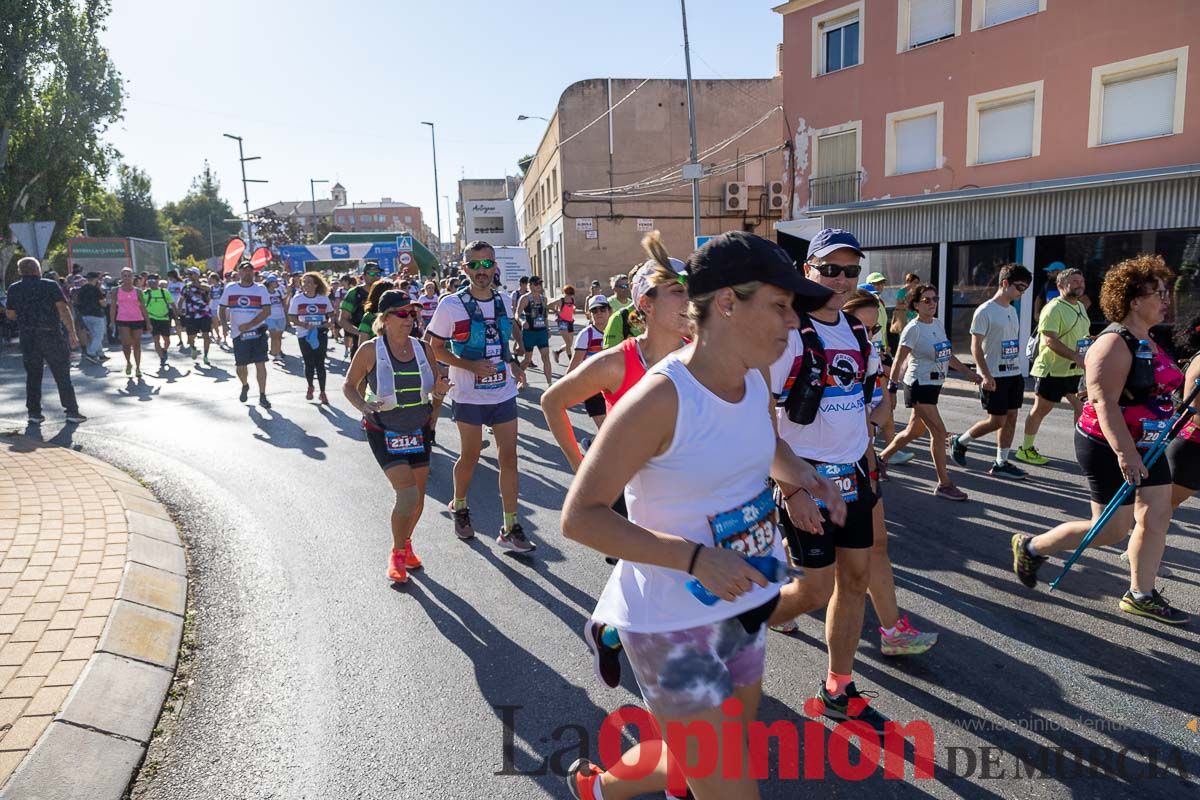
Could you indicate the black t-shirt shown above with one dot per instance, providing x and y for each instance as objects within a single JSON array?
[
  {"x": 35, "y": 300},
  {"x": 87, "y": 300}
]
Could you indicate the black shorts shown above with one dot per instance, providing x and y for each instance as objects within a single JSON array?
[
  {"x": 927, "y": 395},
  {"x": 1184, "y": 457},
  {"x": 386, "y": 460},
  {"x": 197, "y": 325},
  {"x": 1009, "y": 395},
  {"x": 814, "y": 551},
  {"x": 1054, "y": 389},
  {"x": 1099, "y": 465},
  {"x": 566, "y": 326},
  {"x": 250, "y": 351},
  {"x": 595, "y": 406},
  {"x": 132, "y": 324},
  {"x": 160, "y": 327}
]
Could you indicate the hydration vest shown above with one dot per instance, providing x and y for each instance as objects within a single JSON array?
[
  {"x": 810, "y": 378},
  {"x": 475, "y": 347}
]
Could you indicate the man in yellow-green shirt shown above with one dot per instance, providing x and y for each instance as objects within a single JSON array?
[{"x": 1065, "y": 331}]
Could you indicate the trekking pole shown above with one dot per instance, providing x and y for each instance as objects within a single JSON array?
[{"x": 1152, "y": 455}]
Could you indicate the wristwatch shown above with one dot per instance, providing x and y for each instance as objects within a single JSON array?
[{"x": 893, "y": 387}]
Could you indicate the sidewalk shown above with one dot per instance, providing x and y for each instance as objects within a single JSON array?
[{"x": 93, "y": 589}]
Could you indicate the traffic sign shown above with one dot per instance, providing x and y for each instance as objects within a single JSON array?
[
  {"x": 33, "y": 236},
  {"x": 405, "y": 259},
  {"x": 700, "y": 240},
  {"x": 404, "y": 244}
]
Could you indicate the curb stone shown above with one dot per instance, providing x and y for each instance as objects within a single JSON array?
[{"x": 95, "y": 743}]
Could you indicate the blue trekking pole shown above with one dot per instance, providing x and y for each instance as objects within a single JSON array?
[{"x": 1169, "y": 432}]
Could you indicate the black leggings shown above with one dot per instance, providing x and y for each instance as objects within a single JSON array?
[{"x": 314, "y": 358}]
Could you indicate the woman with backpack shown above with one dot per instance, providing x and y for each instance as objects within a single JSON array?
[{"x": 1130, "y": 383}]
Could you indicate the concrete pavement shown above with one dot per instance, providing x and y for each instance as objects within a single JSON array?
[{"x": 313, "y": 678}]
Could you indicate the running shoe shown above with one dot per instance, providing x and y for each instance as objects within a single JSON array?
[
  {"x": 1024, "y": 565},
  {"x": 137, "y": 373},
  {"x": 462, "y": 523},
  {"x": 606, "y": 661},
  {"x": 206, "y": 362},
  {"x": 264, "y": 402},
  {"x": 1163, "y": 572},
  {"x": 788, "y": 626},
  {"x": 323, "y": 399},
  {"x": 581, "y": 779},
  {"x": 162, "y": 362},
  {"x": 1008, "y": 470},
  {"x": 396, "y": 569},
  {"x": 194, "y": 353},
  {"x": 1030, "y": 455},
  {"x": 958, "y": 452},
  {"x": 515, "y": 540},
  {"x": 309, "y": 394},
  {"x": 949, "y": 492},
  {"x": 36, "y": 419},
  {"x": 1154, "y": 607},
  {"x": 410, "y": 558},
  {"x": 851, "y": 706},
  {"x": 245, "y": 395},
  {"x": 901, "y": 457},
  {"x": 908, "y": 641},
  {"x": 128, "y": 368},
  {"x": 76, "y": 418}
]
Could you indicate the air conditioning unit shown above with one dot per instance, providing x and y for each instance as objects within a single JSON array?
[
  {"x": 735, "y": 196},
  {"x": 776, "y": 198}
]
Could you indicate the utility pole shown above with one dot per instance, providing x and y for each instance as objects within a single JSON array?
[
  {"x": 436, "y": 191},
  {"x": 693, "y": 169},
  {"x": 313, "y": 191},
  {"x": 245, "y": 191}
]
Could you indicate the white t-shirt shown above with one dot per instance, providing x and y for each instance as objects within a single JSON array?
[
  {"x": 278, "y": 302},
  {"x": 1001, "y": 331},
  {"x": 838, "y": 435},
  {"x": 244, "y": 304},
  {"x": 428, "y": 306},
  {"x": 590, "y": 341},
  {"x": 452, "y": 323},
  {"x": 310, "y": 311},
  {"x": 931, "y": 352}
]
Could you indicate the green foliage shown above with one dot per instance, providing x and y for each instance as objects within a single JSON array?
[
  {"x": 138, "y": 215},
  {"x": 187, "y": 222},
  {"x": 59, "y": 92}
]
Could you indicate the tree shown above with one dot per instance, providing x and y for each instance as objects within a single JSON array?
[
  {"x": 272, "y": 230},
  {"x": 201, "y": 207},
  {"x": 59, "y": 92},
  {"x": 139, "y": 218}
]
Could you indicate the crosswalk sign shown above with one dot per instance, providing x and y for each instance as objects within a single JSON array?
[{"x": 404, "y": 244}]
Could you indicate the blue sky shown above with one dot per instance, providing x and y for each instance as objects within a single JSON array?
[{"x": 337, "y": 90}]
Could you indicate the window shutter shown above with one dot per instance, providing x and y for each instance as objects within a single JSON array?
[
  {"x": 916, "y": 144},
  {"x": 1138, "y": 108},
  {"x": 997, "y": 11},
  {"x": 1006, "y": 131},
  {"x": 929, "y": 20}
]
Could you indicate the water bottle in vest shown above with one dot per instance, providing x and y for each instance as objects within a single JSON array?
[{"x": 1143, "y": 364}]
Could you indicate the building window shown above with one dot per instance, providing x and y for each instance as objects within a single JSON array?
[
  {"x": 986, "y": 13},
  {"x": 381, "y": 218},
  {"x": 408, "y": 220},
  {"x": 554, "y": 182},
  {"x": 341, "y": 219},
  {"x": 364, "y": 217},
  {"x": 914, "y": 140},
  {"x": 1141, "y": 98},
  {"x": 838, "y": 39},
  {"x": 837, "y": 170},
  {"x": 489, "y": 225},
  {"x": 926, "y": 21},
  {"x": 1005, "y": 124}
]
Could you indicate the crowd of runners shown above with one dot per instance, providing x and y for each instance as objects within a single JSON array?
[{"x": 744, "y": 414}]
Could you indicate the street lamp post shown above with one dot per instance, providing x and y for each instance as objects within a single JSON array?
[
  {"x": 523, "y": 117},
  {"x": 86, "y": 220},
  {"x": 695, "y": 168},
  {"x": 312, "y": 182},
  {"x": 245, "y": 191},
  {"x": 436, "y": 191}
]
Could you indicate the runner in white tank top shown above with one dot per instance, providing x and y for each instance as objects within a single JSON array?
[{"x": 693, "y": 445}]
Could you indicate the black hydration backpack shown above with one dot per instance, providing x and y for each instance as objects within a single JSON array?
[{"x": 810, "y": 378}]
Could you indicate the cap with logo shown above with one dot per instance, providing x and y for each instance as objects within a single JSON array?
[
  {"x": 393, "y": 298},
  {"x": 738, "y": 257},
  {"x": 599, "y": 301},
  {"x": 831, "y": 239}
]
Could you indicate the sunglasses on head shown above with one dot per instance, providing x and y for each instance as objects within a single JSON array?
[
  {"x": 483, "y": 263},
  {"x": 833, "y": 270},
  {"x": 403, "y": 313}
]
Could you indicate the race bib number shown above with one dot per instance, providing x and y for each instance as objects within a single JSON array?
[
  {"x": 539, "y": 323},
  {"x": 942, "y": 352},
  {"x": 249, "y": 335},
  {"x": 404, "y": 444},
  {"x": 1151, "y": 430},
  {"x": 844, "y": 477},
  {"x": 748, "y": 530},
  {"x": 496, "y": 381},
  {"x": 564, "y": 325},
  {"x": 1010, "y": 349},
  {"x": 313, "y": 319},
  {"x": 1082, "y": 346}
]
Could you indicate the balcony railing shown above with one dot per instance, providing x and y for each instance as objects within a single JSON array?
[{"x": 834, "y": 190}]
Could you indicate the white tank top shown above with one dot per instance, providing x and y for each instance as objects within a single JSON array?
[{"x": 718, "y": 462}]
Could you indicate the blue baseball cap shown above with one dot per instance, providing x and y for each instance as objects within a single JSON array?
[
  {"x": 830, "y": 239},
  {"x": 1056, "y": 266},
  {"x": 868, "y": 287}
]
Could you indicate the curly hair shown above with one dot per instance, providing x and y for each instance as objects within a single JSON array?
[
  {"x": 1128, "y": 281},
  {"x": 319, "y": 280}
]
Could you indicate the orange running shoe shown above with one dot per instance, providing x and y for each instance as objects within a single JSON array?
[
  {"x": 397, "y": 573},
  {"x": 581, "y": 777},
  {"x": 410, "y": 558}
]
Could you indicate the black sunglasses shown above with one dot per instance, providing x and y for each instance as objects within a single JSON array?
[{"x": 833, "y": 270}]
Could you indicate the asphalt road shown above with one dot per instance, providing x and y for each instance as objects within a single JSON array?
[{"x": 312, "y": 678}]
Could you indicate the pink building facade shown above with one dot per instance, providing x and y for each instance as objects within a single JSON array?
[{"x": 953, "y": 136}]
